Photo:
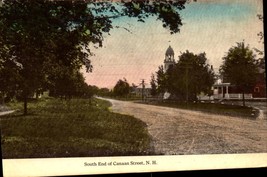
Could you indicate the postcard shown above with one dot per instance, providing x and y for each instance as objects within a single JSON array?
[{"x": 104, "y": 87}]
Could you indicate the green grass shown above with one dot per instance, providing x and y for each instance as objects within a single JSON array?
[
  {"x": 129, "y": 98},
  {"x": 75, "y": 128},
  {"x": 214, "y": 108}
]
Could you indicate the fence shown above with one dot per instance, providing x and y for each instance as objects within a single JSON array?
[{"x": 233, "y": 96}]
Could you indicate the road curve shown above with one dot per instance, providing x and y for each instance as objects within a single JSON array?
[{"x": 176, "y": 131}]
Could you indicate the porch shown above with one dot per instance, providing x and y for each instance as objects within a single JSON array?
[{"x": 226, "y": 91}]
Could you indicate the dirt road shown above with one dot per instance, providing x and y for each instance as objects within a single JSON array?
[{"x": 176, "y": 131}]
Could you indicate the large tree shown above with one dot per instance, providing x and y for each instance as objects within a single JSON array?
[
  {"x": 122, "y": 88},
  {"x": 8, "y": 80},
  {"x": 161, "y": 80},
  {"x": 240, "y": 67},
  {"x": 36, "y": 35},
  {"x": 190, "y": 76},
  {"x": 153, "y": 85},
  {"x": 195, "y": 73}
]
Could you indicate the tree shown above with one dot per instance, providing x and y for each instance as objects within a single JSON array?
[
  {"x": 190, "y": 76},
  {"x": 195, "y": 73},
  {"x": 89, "y": 91},
  {"x": 104, "y": 92},
  {"x": 36, "y": 35},
  {"x": 133, "y": 88},
  {"x": 64, "y": 82},
  {"x": 261, "y": 33},
  {"x": 9, "y": 75},
  {"x": 261, "y": 59},
  {"x": 153, "y": 85},
  {"x": 240, "y": 68},
  {"x": 161, "y": 80},
  {"x": 122, "y": 88}
]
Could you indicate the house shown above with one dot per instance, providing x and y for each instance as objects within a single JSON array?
[
  {"x": 259, "y": 90},
  {"x": 226, "y": 90},
  {"x": 142, "y": 90}
]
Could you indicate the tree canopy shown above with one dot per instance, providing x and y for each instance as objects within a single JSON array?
[
  {"x": 39, "y": 38},
  {"x": 190, "y": 76},
  {"x": 153, "y": 85},
  {"x": 240, "y": 67},
  {"x": 122, "y": 88}
]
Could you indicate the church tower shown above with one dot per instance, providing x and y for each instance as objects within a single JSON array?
[{"x": 169, "y": 58}]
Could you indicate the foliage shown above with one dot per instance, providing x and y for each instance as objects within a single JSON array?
[
  {"x": 122, "y": 88},
  {"x": 190, "y": 76},
  {"x": 104, "y": 92},
  {"x": 72, "y": 128},
  {"x": 261, "y": 33},
  {"x": 153, "y": 85},
  {"x": 161, "y": 80},
  {"x": 240, "y": 67},
  {"x": 9, "y": 76},
  {"x": 39, "y": 37},
  {"x": 67, "y": 83}
]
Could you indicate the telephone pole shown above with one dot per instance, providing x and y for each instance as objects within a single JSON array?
[
  {"x": 143, "y": 88},
  {"x": 187, "y": 66}
]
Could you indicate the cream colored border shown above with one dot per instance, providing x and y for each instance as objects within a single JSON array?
[{"x": 76, "y": 166}]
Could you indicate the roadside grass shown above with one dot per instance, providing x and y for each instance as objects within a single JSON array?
[
  {"x": 214, "y": 108},
  {"x": 128, "y": 98},
  {"x": 73, "y": 128}
]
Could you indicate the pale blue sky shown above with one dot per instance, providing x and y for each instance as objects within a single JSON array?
[{"x": 209, "y": 26}]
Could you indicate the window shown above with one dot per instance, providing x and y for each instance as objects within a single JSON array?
[{"x": 257, "y": 89}]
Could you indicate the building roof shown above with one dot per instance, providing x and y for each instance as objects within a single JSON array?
[
  {"x": 146, "y": 86},
  {"x": 169, "y": 51},
  {"x": 221, "y": 84}
]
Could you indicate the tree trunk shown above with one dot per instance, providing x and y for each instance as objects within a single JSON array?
[
  {"x": 37, "y": 94},
  {"x": 25, "y": 105},
  {"x": 2, "y": 98},
  {"x": 243, "y": 98}
]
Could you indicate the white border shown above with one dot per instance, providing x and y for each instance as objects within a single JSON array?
[{"x": 76, "y": 166}]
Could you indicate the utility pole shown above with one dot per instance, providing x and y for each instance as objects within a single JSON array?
[
  {"x": 187, "y": 67},
  {"x": 143, "y": 88}
]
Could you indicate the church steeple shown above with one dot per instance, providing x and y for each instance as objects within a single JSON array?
[
  {"x": 169, "y": 55},
  {"x": 169, "y": 58}
]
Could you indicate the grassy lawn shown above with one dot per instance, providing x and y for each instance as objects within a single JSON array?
[
  {"x": 75, "y": 128},
  {"x": 132, "y": 98},
  {"x": 221, "y": 109}
]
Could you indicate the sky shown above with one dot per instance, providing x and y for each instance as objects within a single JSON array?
[{"x": 209, "y": 26}]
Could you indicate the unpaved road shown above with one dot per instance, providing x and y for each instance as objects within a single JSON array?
[{"x": 176, "y": 131}]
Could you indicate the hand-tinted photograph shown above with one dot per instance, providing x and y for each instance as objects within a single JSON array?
[{"x": 105, "y": 78}]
